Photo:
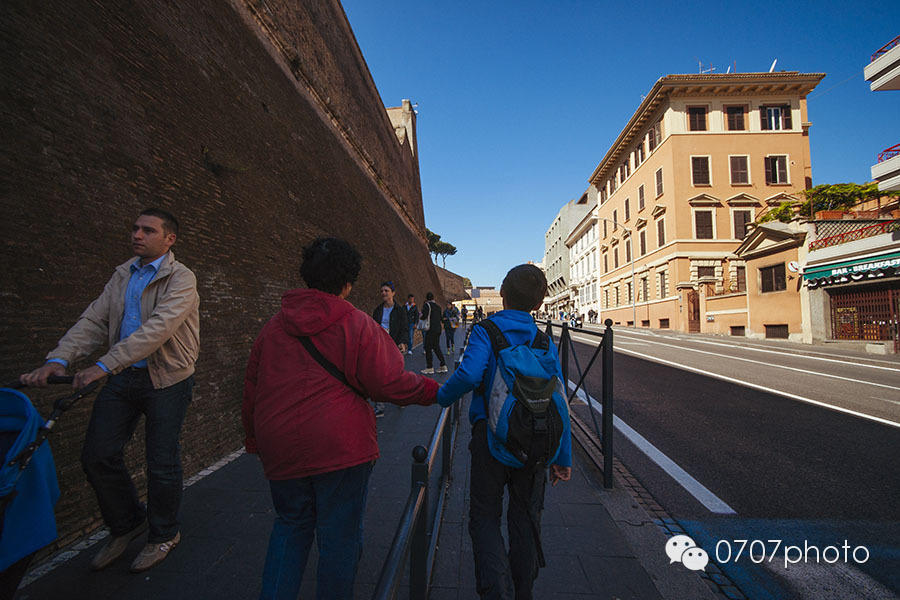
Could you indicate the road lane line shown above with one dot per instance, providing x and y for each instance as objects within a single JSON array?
[
  {"x": 696, "y": 489},
  {"x": 758, "y": 387},
  {"x": 759, "y": 362},
  {"x": 804, "y": 353},
  {"x": 783, "y": 353}
]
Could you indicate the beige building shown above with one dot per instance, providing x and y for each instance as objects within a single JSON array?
[{"x": 702, "y": 157}]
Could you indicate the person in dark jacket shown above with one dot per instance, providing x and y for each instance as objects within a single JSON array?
[
  {"x": 450, "y": 320},
  {"x": 307, "y": 418},
  {"x": 393, "y": 320},
  {"x": 432, "y": 313},
  {"x": 412, "y": 317}
]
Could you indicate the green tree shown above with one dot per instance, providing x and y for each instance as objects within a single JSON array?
[
  {"x": 840, "y": 196},
  {"x": 784, "y": 213},
  {"x": 433, "y": 241},
  {"x": 444, "y": 250}
]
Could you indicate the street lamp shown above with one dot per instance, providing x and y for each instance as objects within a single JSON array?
[{"x": 633, "y": 288}]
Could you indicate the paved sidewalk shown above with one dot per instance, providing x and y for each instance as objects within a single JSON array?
[{"x": 598, "y": 543}]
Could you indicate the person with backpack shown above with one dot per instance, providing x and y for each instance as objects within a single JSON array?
[
  {"x": 520, "y": 429},
  {"x": 430, "y": 324},
  {"x": 305, "y": 415},
  {"x": 450, "y": 320}
]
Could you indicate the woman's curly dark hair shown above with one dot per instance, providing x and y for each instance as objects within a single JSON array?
[{"x": 329, "y": 264}]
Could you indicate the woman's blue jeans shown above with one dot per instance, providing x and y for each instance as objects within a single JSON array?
[{"x": 328, "y": 507}]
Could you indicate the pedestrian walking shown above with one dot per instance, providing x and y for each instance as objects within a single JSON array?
[
  {"x": 148, "y": 313},
  {"x": 465, "y": 315},
  {"x": 430, "y": 323},
  {"x": 412, "y": 317},
  {"x": 528, "y": 430},
  {"x": 305, "y": 415},
  {"x": 393, "y": 320},
  {"x": 450, "y": 321}
]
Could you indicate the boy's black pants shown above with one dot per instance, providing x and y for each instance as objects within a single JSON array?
[{"x": 498, "y": 574}]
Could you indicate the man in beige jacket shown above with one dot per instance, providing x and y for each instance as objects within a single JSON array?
[{"x": 148, "y": 317}]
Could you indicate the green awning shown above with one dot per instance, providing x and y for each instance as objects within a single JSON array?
[{"x": 853, "y": 267}]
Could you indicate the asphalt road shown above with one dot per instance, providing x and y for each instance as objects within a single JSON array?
[{"x": 816, "y": 460}]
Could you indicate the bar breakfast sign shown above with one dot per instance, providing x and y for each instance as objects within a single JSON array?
[{"x": 847, "y": 272}]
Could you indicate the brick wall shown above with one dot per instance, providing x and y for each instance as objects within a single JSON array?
[{"x": 190, "y": 106}]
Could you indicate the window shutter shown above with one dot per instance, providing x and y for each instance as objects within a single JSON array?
[
  {"x": 786, "y": 115},
  {"x": 781, "y": 163},
  {"x": 764, "y": 122},
  {"x": 768, "y": 163}
]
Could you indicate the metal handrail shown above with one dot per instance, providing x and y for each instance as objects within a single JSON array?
[
  {"x": 414, "y": 533},
  {"x": 889, "y": 153},
  {"x": 885, "y": 48},
  {"x": 605, "y": 350},
  {"x": 853, "y": 235}
]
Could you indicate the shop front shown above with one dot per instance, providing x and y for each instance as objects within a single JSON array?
[{"x": 862, "y": 295}]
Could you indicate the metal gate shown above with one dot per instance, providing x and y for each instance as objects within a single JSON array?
[
  {"x": 871, "y": 314},
  {"x": 693, "y": 303}
]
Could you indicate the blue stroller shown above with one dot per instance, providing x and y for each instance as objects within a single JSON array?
[{"x": 28, "y": 486}]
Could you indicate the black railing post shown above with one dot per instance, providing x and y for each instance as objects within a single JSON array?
[
  {"x": 564, "y": 353},
  {"x": 607, "y": 400},
  {"x": 418, "y": 559}
]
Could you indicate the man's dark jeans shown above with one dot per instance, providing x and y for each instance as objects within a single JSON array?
[
  {"x": 433, "y": 344},
  {"x": 117, "y": 409},
  {"x": 328, "y": 508},
  {"x": 498, "y": 574}
]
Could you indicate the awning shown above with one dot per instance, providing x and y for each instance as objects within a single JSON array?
[{"x": 853, "y": 270}]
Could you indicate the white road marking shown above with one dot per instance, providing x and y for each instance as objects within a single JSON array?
[
  {"x": 885, "y": 399},
  {"x": 776, "y": 366},
  {"x": 799, "y": 352},
  {"x": 759, "y": 387},
  {"x": 696, "y": 489}
]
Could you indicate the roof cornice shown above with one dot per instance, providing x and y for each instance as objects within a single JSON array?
[{"x": 706, "y": 84}]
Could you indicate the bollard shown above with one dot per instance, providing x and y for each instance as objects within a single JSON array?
[
  {"x": 607, "y": 400},
  {"x": 418, "y": 559}
]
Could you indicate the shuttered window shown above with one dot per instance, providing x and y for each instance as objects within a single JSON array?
[
  {"x": 773, "y": 118},
  {"x": 700, "y": 170},
  {"x": 703, "y": 221},
  {"x": 772, "y": 279},
  {"x": 740, "y": 173},
  {"x": 741, "y": 219},
  {"x": 697, "y": 118},
  {"x": 776, "y": 170},
  {"x": 735, "y": 117}
]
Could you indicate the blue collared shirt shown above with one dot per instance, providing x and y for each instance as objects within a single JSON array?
[{"x": 141, "y": 276}]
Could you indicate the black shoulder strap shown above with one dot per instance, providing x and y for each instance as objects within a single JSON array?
[
  {"x": 327, "y": 364},
  {"x": 541, "y": 341},
  {"x": 498, "y": 340}
]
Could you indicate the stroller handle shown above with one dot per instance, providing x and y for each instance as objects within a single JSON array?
[{"x": 53, "y": 379}]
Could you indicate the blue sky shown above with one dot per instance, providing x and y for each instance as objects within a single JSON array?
[{"x": 519, "y": 101}]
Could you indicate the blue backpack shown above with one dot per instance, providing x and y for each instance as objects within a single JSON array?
[{"x": 526, "y": 405}]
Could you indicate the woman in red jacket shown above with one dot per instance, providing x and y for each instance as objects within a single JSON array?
[{"x": 305, "y": 414}]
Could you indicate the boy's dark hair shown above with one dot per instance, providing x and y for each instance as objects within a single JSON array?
[
  {"x": 524, "y": 287},
  {"x": 170, "y": 223},
  {"x": 408, "y": 296},
  {"x": 389, "y": 284},
  {"x": 329, "y": 264},
  {"x": 429, "y": 296}
]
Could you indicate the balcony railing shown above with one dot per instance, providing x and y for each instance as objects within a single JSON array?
[
  {"x": 888, "y": 153},
  {"x": 885, "y": 48},
  {"x": 856, "y": 234}
]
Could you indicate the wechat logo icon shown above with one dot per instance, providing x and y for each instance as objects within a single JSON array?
[{"x": 681, "y": 548}]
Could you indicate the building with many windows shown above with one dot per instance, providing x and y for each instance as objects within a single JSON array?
[
  {"x": 581, "y": 245},
  {"x": 702, "y": 158},
  {"x": 556, "y": 255}
]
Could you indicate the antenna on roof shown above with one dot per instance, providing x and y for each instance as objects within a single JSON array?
[
  {"x": 728, "y": 70},
  {"x": 772, "y": 68}
]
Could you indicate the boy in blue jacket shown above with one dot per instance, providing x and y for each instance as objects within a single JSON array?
[{"x": 498, "y": 574}]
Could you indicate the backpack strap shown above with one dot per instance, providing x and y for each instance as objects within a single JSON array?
[
  {"x": 327, "y": 364},
  {"x": 541, "y": 341},
  {"x": 498, "y": 340}
]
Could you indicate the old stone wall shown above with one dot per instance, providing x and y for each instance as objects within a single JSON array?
[{"x": 196, "y": 107}]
